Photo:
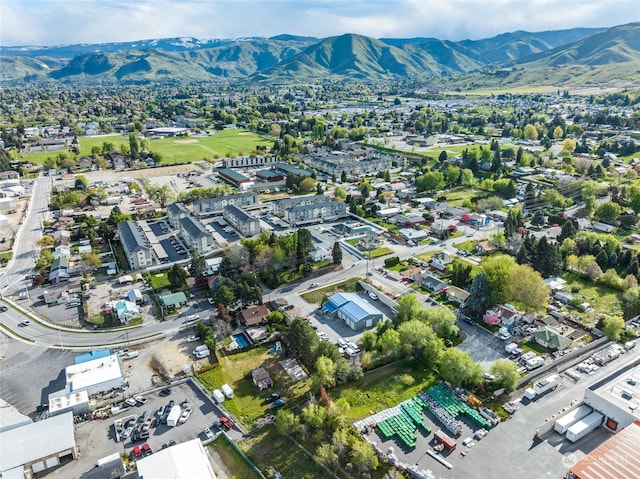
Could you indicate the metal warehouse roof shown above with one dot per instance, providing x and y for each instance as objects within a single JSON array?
[
  {"x": 353, "y": 306},
  {"x": 29, "y": 443},
  {"x": 617, "y": 458}
]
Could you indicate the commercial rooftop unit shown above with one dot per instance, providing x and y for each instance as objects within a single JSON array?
[{"x": 186, "y": 460}]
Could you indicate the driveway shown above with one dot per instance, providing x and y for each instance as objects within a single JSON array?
[{"x": 482, "y": 346}]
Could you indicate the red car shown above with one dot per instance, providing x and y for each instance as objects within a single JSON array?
[
  {"x": 226, "y": 422},
  {"x": 137, "y": 452},
  {"x": 146, "y": 448}
]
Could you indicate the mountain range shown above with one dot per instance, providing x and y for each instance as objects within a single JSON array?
[{"x": 509, "y": 58}]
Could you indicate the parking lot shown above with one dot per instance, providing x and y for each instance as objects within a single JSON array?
[{"x": 97, "y": 438}]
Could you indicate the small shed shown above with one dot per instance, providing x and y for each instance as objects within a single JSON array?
[{"x": 261, "y": 379}]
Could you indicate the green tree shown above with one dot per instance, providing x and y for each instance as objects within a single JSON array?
[
  {"x": 530, "y": 132},
  {"x": 408, "y": 308},
  {"x": 506, "y": 374},
  {"x": 326, "y": 456},
  {"x": 337, "y": 253},
  {"x": 225, "y": 296},
  {"x": 431, "y": 181},
  {"x": 524, "y": 285},
  {"x": 461, "y": 274},
  {"x": 558, "y": 133},
  {"x": 496, "y": 269},
  {"x": 458, "y": 368},
  {"x": 307, "y": 185},
  {"x": 608, "y": 211},
  {"x": 81, "y": 183},
  {"x": 479, "y": 293},
  {"x": 452, "y": 174},
  {"x": 288, "y": 423},
  {"x": 198, "y": 265},
  {"x": 613, "y": 326},
  {"x": 389, "y": 343},
  {"x": 420, "y": 342},
  {"x": 466, "y": 177},
  {"x": 134, "y": 148},
  {"x": 343, "y": 176},
  {"x": 177, "y": 276},
  {"x": 443, "y": 157},
  {"x": 325, "y": 374}
]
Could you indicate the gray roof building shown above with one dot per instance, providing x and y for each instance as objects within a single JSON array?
[
  {"x": 35, "y": 447},
  {"x": 217, "y": 204},
  {"x": 175, "y": 212},
  {"x": 136, "y": 246},
  {"x": 196, "y": 235},
  {"x": 245, "y": 223}
]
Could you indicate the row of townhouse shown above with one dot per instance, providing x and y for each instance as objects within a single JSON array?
[
  {"x": 309, "y": 209},
  {"x": 208, "y": 206},
  {"x": 337, "y": 162}
]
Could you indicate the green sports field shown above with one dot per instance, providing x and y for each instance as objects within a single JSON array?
[{"x": 177, "y": 149}]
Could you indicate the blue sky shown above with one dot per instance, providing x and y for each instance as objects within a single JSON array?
[{"x": 54, "y": 22}]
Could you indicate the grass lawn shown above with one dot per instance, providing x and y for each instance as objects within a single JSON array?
[
  {"x": 533, "y": 346},
  {"x": 7, "y": 255},
  {"x": 457, "y": 196},
  {"x": 248, "y": 404},
  {"x": 428, "y": 256},
  {"x": 384, "y": 388},
  {"x": 376, "y": 253},
  {"x": 601, "y": 298},
  {"x": 159, "y": 280},
  {"x": 175, "y": 150},
  {"x": 316, "y": 296},
  {"x": 468, "y": 245},
  {"x": 353, "y": 241},
  {"x": 266, "y": 448},
  {"x": 397, "y": 267},
  {"x": 231, "y": 459}
]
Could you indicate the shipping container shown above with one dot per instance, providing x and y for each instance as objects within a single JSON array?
[
  {"x": 584, "y": 426},
  {"x": 572, "y": 417},
  {"x": 448, "y": 443}
]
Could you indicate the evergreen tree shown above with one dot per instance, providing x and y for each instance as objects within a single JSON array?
[
  {"x": 343, "y": 176},
  {"x": 523, "y": 256},
  {"x": 569, "y": 230},
  {"x": 602, "y": 259},
  {"x": 519, "y": 155},
  {"x": 496, "y": 163},
  {"x": 479, "y": 293},
  {"x": 337, "y": 253},
  {"x": 443, "y": 157},
  {"x": 473, "y": 166}
]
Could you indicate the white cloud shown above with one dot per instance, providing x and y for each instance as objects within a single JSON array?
[{"x": 93, "y": 21}]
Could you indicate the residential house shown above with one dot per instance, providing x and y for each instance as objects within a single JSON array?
[
  {"x": 551, "y": 338},
  {"x": 61, "y": 250},
  {"x": 501, "y": 314},
  {"x": 555, "y": 284},
  {"x": 353, "y": 309},
  {"x": 433, "y": 284},
  {"x": 218, "y": 204},
  {"x": 457, "y": 295},
  {"x": 173, "y": 301},
  {"x": 58, "y": 296},
  {"x": 254, "y": 315},
  {"x": 196, "y": 236},
  {"x": 58, "y": 276},
  {"x": 85, "y": 163},
  {"x": 261, "y": 379},
  {"x": 135, "y": 244},
  {"x": 125, "y": 311},
  {"x": 175, "y": 212},
  {"x": 245, "y": 223},
  {"x": 117, "y": 160},
  {"x": 485, "y": 247}
]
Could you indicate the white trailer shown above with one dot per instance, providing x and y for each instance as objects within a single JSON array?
[
  {"x": 227, "y": 391},
  {"x": 218, "y": 396},
  {"x": 572, "y": 417},
  {"x": 584, "y": 426},
  {"x": 174, "y": 416},
  {"x": 510, "y": 348}
]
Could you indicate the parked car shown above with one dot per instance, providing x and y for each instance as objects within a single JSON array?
[
  {"x": 3, "y": 308},
  {"x": 373, "y": 295},
  {"x": 226, "y": 422},
  {"x": 192, "y": 338},
  {"x": 141, "y": 399},
  {"x": 278, "y": 403},
  {"x": 185, "y": 416},
  {"x": 273, "y": 396},
  {"x": 26, "y": 322},
  {"x": 207, "y": 433},
  {"x": 131, "y": 402},
  {"x": 165, "y": 392},
  {"x": 137, "y": 452},
  {"x": 313, "y": 285},
  {"x": 146, "y": 448}
]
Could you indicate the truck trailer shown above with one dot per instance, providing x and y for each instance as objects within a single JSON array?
[
  {"x": 543, "y": 386},
  {"x": 174, "y": 416},
  {"x": 584, "y": 426},
  {"x": 565, "y": 422}
]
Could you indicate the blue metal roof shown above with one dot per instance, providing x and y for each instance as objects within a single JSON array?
[
  {"x": 352, "y": 305},
  {"x": 91, "y": 355},
  {"x": 328, "y": 307}
]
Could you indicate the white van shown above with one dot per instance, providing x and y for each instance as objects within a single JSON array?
[{"x": 218, "y": 396}]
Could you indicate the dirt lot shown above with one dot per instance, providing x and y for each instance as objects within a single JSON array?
[{"x": 15, "y": 218}]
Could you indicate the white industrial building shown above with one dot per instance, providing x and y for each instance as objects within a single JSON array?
[
  {"x": 185, "y": 460},
  {"x": 11, "y": 417},
  {"x": 32, "y": 448},
  {"x": 95, "y": 376},
  {"x": 617, "y": 396},
  {"x": 61, "y": 402}
]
